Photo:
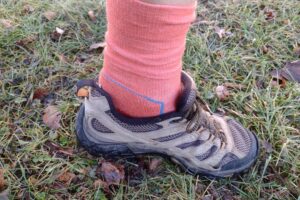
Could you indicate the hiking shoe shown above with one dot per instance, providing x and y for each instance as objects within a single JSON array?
[{"x": 200, "y": 141}]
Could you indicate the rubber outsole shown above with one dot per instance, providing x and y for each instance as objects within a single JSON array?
[{"x": 122, "y": 150}]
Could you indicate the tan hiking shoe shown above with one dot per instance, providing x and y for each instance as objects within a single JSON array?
[{"x": 200, "y": 141}]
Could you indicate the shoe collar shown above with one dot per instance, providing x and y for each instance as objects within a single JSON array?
[{"x": 186, "y": 100}]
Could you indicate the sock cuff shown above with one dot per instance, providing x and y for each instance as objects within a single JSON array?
[
  {"x": 128, "y": 10},
  {"x": 167, "y": 13}
]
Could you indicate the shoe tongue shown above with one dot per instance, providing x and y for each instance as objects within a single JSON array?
[{"x": 188, "y": 94}]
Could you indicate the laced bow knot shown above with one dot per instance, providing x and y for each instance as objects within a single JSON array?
[{"x": 200, "y": 116}]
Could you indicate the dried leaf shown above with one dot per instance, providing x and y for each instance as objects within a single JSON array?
[
  {"x": 52, "y": 117},
  {"x": 265, "y": 49},
  {"x": 286, "y": 21},
  {"x": 278, "y": 80},
  {"x": 6, "y": 23},
  {"x": 55, "y": 36},
  {"x": 28, "y": 9},
  {"x": 66, "y": 177},
  {"x": 269, "y": 14},
  {"x": 59, "y": 31},
  {"x": 55, "y": 149},
  {"x": 32, "y": 180},
  {"x": 112, "y": 174},
  {"x": 99, "y": 45},
  {"x": 222, "y": 92},
  {"x": 297, "y": 50},
  {"x": 100, "y": 184},
  {"x": 40, "y": 93},
  {"x": 154, "y": 164},
  {"x": 50, "y": 15},
  {"x": 27, "y": 40},
  {"x": 62, "y": 58},
  {"x": 2, "y": 180},
  {"x": 290, "y": 72},
  {"x": 222, "y": 32},
  {"x": 92, "y": 16}
]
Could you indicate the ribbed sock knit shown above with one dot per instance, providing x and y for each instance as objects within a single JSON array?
[{"x": 143, "y": 56}]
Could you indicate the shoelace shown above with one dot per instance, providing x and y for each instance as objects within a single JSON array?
[{"x": 200, "y": 116}]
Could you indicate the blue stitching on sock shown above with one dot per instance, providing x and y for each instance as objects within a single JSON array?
[{"x": 160, "y": 103}]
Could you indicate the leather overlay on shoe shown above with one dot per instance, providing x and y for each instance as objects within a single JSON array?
[{"x": 197, "y": 139}]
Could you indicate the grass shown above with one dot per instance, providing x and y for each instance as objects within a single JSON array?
[{"x": 32, "y": 172}]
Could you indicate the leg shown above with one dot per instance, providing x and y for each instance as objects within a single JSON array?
[
  {"x": 143, "y": 75},
  {"x": 143, "y": 58}
]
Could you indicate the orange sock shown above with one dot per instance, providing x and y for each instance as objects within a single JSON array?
[{"x": 143, "y": 56}]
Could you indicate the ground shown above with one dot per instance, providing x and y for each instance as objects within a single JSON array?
[{"x": 235, "y": 43}]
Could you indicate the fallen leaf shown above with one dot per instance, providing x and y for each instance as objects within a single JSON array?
[
  {"x": 297, "y": 50},
  {"x": 222, "y": 92},
  {"x": 28, "y": 9},
  {"x": 221, "y": 32},
  {"x": 269, "y": 14},
  {"x": 32, "y": 180},
  {"x": 57, "y": 34},
  {"x": 265, "y": 49},
  {"x": 100, "y": 184},
  {"x": 6, "y": 23},
  {"x": 40, "y": 93},
  {"x": 27, "y": 40},
  {"x": 112, "y": 174},
  {"x": 55, "y": 149},
  {"x": 92, "y": 16},
  {"x": 154, "y": 164},
  {"x": 50, "y": 15},
  {"x": 2, "y": 180},
  {"x": 62, "y": 58},
  {"x": 52, "y": 117},
  {"x": 286, "y": 21},
  {"x": 66, "y": 177},
  {"x": 278, "y": 80},
  {"x": 59, "y": 31},
  {"x": 290, "y": 72},
  {"x": 99, "y": 45}
]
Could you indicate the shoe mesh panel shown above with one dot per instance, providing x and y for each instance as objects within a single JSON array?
[
  {"x": 136, "y": 128},
  {"x": 100, "y": 127},
  {"x": 207, "y": 154},
  {"x": 240, "y": 136}
]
